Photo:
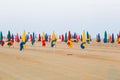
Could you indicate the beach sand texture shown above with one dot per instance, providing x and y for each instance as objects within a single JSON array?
[{"x": 98, "y": 61}]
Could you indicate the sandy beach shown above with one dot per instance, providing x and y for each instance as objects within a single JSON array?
[{"x": 98, "y": 61}]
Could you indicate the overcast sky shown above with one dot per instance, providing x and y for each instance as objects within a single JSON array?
[{"x": 96, "y": 16}]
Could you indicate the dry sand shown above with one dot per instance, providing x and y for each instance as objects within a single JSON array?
[{"x": 97, "y": 61}]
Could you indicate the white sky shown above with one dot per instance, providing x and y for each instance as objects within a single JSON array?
[{"x": 96, "y": 16}]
